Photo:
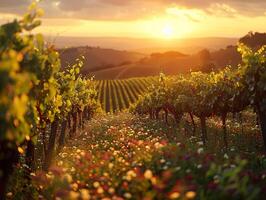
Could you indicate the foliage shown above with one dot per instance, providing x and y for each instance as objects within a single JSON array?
[
  {"x": 35, "y": 96},
  {"x": 212, "y": 94}
]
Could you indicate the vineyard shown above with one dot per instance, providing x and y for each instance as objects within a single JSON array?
[
  {"x": 205, "y": 95},
  {"x": 37, "y": 98},
  {"x": 193, "y": 136},
  {"x": 117, "y": 95}
]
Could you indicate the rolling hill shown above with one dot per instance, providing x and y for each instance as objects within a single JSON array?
[
  {"x": 98, "y": 58},
  {"x": 115, "y": 64},
  {"x": 171, "y": 63},
  {"x": 121, "y": 64}
]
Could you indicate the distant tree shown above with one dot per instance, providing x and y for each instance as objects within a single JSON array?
[
  {"x": 205, "y": 54},
  {"x": 205, "y": 61},
  {"x": 254, "y": 40}
]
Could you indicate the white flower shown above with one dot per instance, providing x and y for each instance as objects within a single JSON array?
[
  {"x": 200, "y": 143},
  {"x": 200, "y": 150},
  {"x": 216, "y": 179},
  {"x": 199, "y": 166},
  {"x": 165, "y": 167},
  {"x": 178, "y": 168},
  {"x": 226, "y": 156},
  {"x": 127, "y": 195}
]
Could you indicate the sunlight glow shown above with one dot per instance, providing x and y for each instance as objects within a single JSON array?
[
  {"x": 56, "y": 3},
  {"x": 168, "y": 31},
  {"x": 174, "y": 23}
]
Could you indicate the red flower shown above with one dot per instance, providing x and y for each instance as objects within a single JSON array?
[{"x": 212, "y": 185}]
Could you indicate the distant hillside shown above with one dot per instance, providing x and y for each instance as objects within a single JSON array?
[
  {"x": 98, "y": 58},
  {"x": 116, "y": 64},
  {"x": 146, "y": 45},
  {"x": 169, "y": 63}
]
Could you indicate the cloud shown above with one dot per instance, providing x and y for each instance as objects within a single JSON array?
[
  {"x": 13, "y": 3},
  {"x": 136, "y": 9},
  {"x": 223, "y": 10}
]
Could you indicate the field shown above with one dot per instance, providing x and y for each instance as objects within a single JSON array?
[{"x": 117, "y": 95}]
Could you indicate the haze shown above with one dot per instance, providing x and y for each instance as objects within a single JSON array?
[{"x": 156, "y": 19}]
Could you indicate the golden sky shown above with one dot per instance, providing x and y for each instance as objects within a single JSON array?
[{"x": 145, "y": 18}]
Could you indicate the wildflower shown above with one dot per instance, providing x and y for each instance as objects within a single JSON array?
[
  {"x": 174, "y": 195},
  {"x": 96, "y": 184},
  {"x": 130, "y": 174},
  {"x": 158, "y": 145},
  {"x": 226, "y": 156},
  {"x": 200, "y": 150},
  {"x": 110, "y": 165},
  {"x": 191, "y": 195},
  {"x": 199, "y": 166},
  {"x": 20, "y": 150},
  {"x": 128, "y": 195},
  {"x": 100, "y": 190},
  {"x": 32, "y": 174},
  {"x": 74, "y": 186},
  {"x": 85, "y": 195},
  {"x": 153, "y": 180},
  {"x": 148, "y": 174},
  {"x": 60, "y": 163},
  {"x": 111, "y": 190},
  {"x": 9, "y": 194},
  {"x": 49, "y": 176},
  {"x": 27, "y": 138},
  {"x": 68, "y": 178},
  {"x": 73, "y": 195},
  {"x": 178, "y": 168},
  {"x": 72, "y": 169},
  {"x": 200, "y": 143},
  {"x": 63, "y": 155},
  {"x": 263, "y": 176}
]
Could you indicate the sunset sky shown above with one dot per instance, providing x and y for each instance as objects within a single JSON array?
[{"x": 145, "y": 18}]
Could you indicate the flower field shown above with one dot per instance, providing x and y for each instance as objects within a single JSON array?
[{"x": 126, "y": 157}]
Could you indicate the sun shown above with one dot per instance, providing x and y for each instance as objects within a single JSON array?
[{"x": 167, "y": 31}]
